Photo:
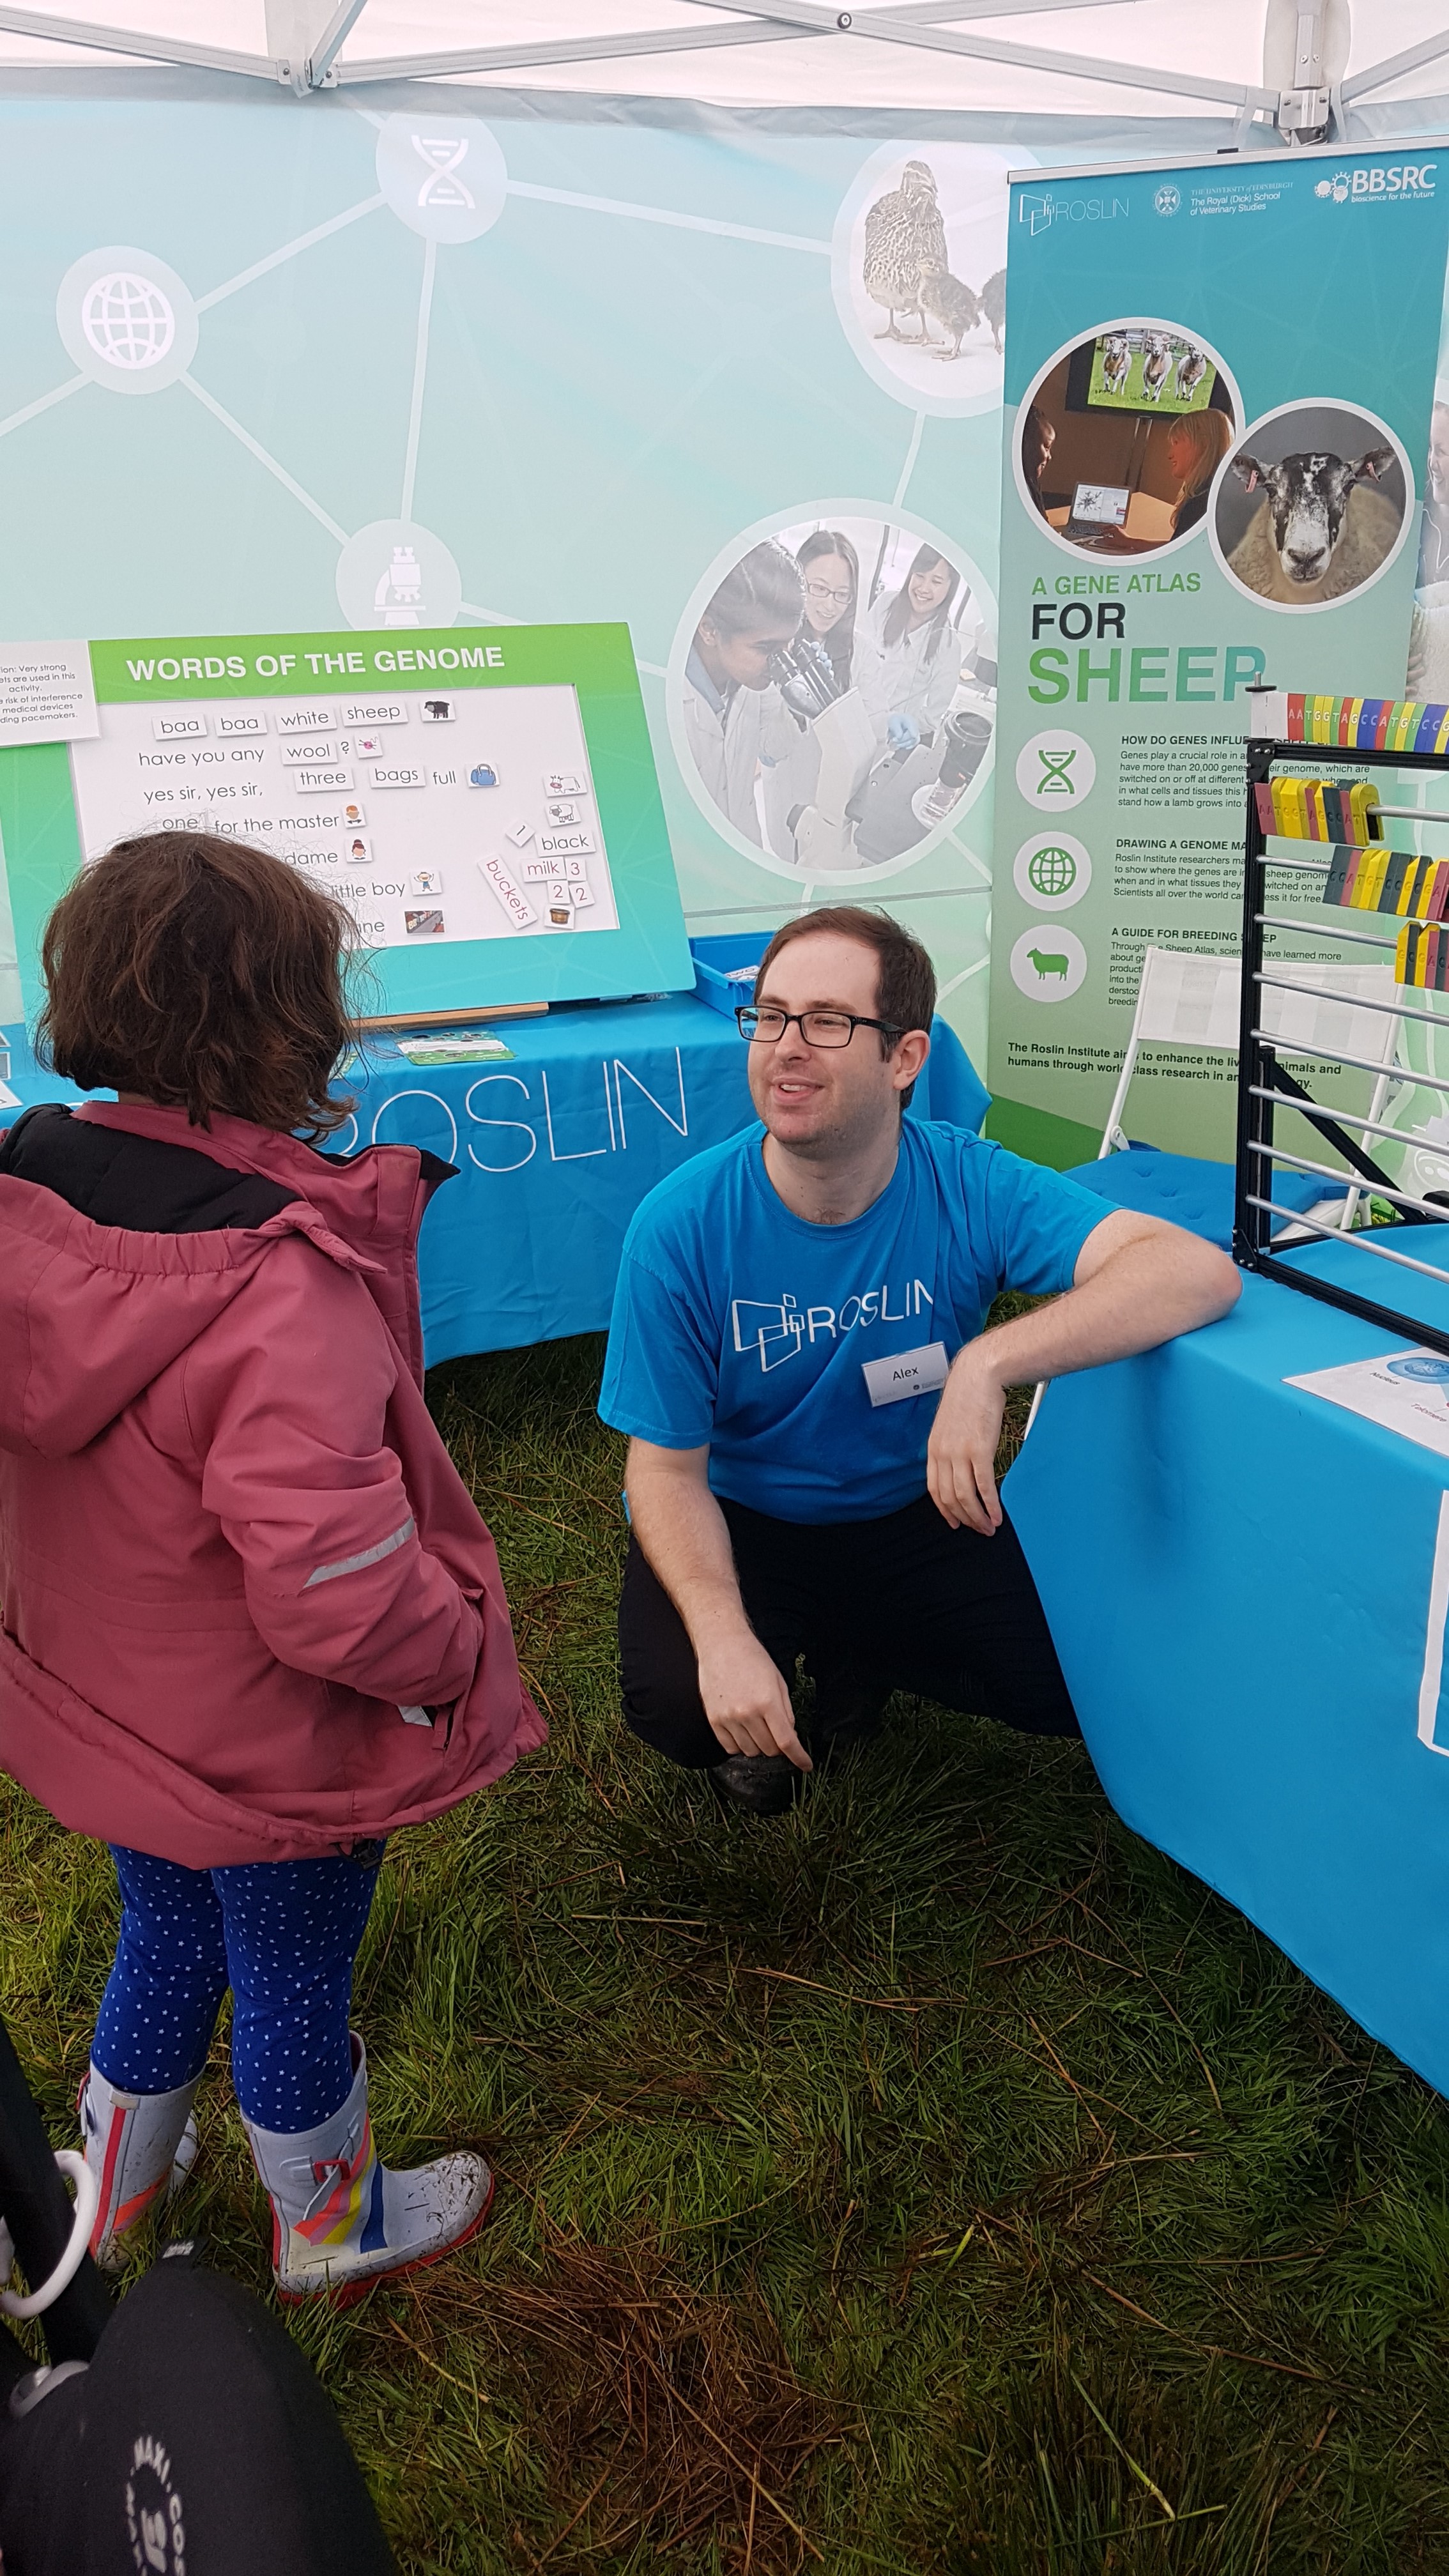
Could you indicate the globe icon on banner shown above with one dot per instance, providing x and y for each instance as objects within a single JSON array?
[
  {"x": 1051, "y": 871},
  {"x": 128, "y": 321}
]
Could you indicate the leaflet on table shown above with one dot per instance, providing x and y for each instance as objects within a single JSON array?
[
  {"x": 444, "y": 1046},
  {"x": 433, "y": 814},
  {"x": 1406, "y": 1391}
]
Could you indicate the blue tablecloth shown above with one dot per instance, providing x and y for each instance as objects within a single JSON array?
[
  {"x": 555, "y": 1150},
  {"x": 1238, "y": 1577}
]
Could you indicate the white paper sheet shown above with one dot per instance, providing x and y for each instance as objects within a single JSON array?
[
  {"x": 46, "y": 693},
  {"x": 1407, "y": 1391}
]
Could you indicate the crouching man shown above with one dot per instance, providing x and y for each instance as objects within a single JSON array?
[{"x": 797, "y": 1353}]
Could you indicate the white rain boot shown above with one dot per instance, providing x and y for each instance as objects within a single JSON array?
[
  {"x": 341, "y": 2221},
  {"x": 136, "y": 2145}
]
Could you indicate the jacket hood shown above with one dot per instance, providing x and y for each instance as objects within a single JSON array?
[
  {"x": 372, "y": 1201},
  {"x": 91, "y": 1314}
]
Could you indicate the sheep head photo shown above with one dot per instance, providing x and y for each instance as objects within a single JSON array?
[{"x": 1318, "y": 519}]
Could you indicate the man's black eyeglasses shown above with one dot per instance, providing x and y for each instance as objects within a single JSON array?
[{"x": 817, "y": 1028}]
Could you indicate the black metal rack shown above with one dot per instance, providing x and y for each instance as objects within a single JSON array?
[{"x": 1264, "y": 1086}]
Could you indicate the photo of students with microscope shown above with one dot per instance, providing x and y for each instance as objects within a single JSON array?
[{"x": 840, "y": 693}]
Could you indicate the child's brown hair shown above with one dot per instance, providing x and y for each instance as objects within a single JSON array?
[{"x": 204, "y": 973}]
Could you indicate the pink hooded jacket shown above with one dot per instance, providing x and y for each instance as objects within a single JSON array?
[{"x": 248, "y": 1610}]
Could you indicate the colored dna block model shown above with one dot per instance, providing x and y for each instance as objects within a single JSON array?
[
  {"x": 1369, "y": 877},
  {"x": 1320, "y": 809},
  {"x": 1422, "y": 956},
  {"x": 1368, "y": 724}
]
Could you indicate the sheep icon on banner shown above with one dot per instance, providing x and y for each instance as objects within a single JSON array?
[{"x": 1048, "y": 965}]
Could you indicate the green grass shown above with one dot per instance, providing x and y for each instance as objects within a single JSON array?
[{"x": 938, "y": 2179}]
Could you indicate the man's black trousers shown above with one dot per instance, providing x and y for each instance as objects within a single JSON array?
[{"x": 904, "y": 1603}]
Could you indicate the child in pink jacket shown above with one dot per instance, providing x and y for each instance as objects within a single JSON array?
[{"x": 250, "y": 1620}]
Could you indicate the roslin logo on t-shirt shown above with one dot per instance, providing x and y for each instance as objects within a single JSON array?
[
  {"x": 776, "y": 1332},
  {"x": 778, "y": 1328}
]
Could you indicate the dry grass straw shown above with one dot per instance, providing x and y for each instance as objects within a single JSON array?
[{"x": 664, "y": 2413}]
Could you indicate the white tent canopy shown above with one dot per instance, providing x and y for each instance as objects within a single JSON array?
[{"x": 1299, "y": 67}]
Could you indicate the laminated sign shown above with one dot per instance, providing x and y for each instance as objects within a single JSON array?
[{"x": 413, "y": 777}]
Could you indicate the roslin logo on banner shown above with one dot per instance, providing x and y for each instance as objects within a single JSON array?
[{"x": 1039, "y": 213}]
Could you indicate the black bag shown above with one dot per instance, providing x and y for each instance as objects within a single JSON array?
[
  {"x": 198, "y": 2439},
  {"x": 179, "y": 2430}
]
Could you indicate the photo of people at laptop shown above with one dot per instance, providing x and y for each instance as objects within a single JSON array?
[{"x": 1121, "y": 439}]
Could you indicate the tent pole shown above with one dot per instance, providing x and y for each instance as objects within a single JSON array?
[
  {"x": 1379, "y": 75},
  {"x": 331, "y": 41},
  {"x": 125, "y": 40},
  {"x": 622, "y": 46},
  {"x": 887, "y": 27}
]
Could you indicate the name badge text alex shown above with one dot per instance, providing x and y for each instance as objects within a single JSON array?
[{"x": 904, "y": 1373}]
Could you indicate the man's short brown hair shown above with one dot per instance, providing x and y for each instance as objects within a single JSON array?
[
  {"x": 905, "y": 990},
  {"x": 206, "y": 974}
]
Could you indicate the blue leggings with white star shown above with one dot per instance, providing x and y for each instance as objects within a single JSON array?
[{"x": 283, "y": 1934}]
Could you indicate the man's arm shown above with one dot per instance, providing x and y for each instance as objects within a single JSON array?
[
  {"x": 1137, "y": 1282},
  {"x": 682, "y": 1532}
]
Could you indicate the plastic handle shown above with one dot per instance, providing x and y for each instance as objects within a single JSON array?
[{"x": 87, "y": 2202}]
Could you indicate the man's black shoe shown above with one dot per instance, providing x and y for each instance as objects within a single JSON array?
[
  {"x": 847, "y": 1715},
  {"x": 764, "y": 1784}
]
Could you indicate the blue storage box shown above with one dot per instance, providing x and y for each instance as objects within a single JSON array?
[{"x": 716, "y": 960}]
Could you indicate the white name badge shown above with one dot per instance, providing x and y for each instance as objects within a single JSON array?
[{"x": 921, "y": 1372}]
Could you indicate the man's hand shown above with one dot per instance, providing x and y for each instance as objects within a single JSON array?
[
  {"x": 1137, "y": 1282},
  {"x": 746, "y": 1701},
  {"x": 961, "y": 1453},
  {"x": 682, "y": 1532}
]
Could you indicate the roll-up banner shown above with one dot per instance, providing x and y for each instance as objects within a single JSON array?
[{"x": 1219, "y": 381}]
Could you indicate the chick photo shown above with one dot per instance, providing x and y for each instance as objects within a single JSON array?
[{"x": 919, "y": 272}]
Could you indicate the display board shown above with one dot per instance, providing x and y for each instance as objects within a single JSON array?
[
  {"x": 257, "y": 362},
  {"x": 1220, "y": 381},
  {"x": 485, "y": 807},
  {"x": 269, "y": 369}
]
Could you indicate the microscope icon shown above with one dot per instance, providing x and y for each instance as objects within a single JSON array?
[{"x": 399, "y": 593}]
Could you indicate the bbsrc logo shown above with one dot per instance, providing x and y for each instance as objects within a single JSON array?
[{"x": 1378, "y": 180}]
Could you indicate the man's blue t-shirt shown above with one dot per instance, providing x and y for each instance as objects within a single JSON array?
[{"x": 738, "y": 1324}]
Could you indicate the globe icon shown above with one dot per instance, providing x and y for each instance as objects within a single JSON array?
[
  {"x": 128, "y": 321},
  {"x": 1051, "y": 871}
]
